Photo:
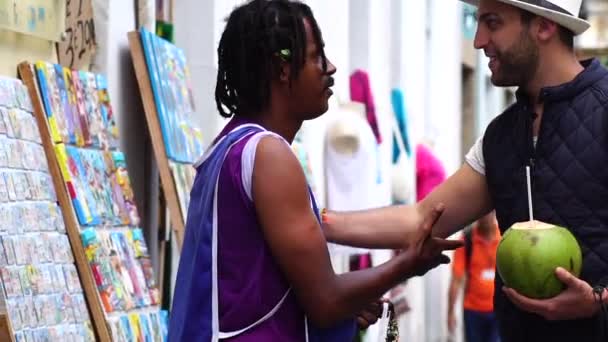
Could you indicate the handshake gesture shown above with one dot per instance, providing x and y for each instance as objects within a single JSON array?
[{"x": 425, "y": 252}]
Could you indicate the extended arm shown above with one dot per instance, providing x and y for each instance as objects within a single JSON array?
[
  {"x": 300, "y": 249},
  {"x": 466, "y": 198}
]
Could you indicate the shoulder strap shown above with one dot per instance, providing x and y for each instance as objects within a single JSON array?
[{"x": 248, "y": 159}]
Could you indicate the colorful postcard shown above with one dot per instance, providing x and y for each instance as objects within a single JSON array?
[
  {"x": 91, "y": 101},
  {"x": 107, "y": 114},
  {"x": 171, "y": 85},
  {"x": 77, "y": 90},
  {"x": 47, "y": 79}
]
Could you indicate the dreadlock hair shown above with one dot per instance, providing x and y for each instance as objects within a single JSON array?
[{"x": 259, "y": 36}]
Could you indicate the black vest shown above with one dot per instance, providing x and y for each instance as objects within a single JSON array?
[{"x": 569, "y": 169}]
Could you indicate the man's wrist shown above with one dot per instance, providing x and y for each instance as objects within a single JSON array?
[
  {"x": 328, "y": 219},
  {"x": 600, "y": 298}
]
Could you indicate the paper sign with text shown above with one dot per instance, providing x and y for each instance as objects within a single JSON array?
[{"x": 77, "y": 49}]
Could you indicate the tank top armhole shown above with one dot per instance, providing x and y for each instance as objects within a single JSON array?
[{"x": 248, "y": 160}]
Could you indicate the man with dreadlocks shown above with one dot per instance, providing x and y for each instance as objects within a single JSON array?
[{"x": 255, "y": 264}]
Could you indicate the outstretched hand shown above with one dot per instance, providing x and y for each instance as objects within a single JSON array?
[{"x": 426, "y": 250}]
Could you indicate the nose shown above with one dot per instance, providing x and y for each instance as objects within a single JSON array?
[
  {"x": 481, "y": 38},
  {"x": 331, "y": 68}
]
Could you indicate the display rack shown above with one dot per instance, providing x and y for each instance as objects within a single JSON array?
[
  {"x": 80, "y": 137},
  {"x": 41, "y": 296},
  {"x": 164, "y": 83}
]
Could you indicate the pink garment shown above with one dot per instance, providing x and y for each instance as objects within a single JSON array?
[
  {"x": 429, "y": 171},
  {"x": 360, "y": 91}
]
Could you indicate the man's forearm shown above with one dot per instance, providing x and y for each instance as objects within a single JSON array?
[
  {"x": 386, "y": 228},
  {"x": 465, "y": 196}
]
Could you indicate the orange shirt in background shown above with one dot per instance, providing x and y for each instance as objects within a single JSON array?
[{"x": 479, "y": 288}]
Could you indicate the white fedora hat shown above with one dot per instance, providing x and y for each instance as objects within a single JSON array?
[{"x": 562, "y": 12}]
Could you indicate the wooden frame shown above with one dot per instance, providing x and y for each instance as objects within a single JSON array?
[
  {"x": 158, "y": 144},
  {"x": 6, "y": 330},
  {"x": 72, "y": 226}
]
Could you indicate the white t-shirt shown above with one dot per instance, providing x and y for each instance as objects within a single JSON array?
[{"x": 475, "y": 156}]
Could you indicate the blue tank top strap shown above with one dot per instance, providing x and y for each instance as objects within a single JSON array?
[
  {"x": 197, "y": 273},
  {"x": 315, "y": 207}
]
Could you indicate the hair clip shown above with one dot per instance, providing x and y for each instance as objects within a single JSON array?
[{"x": 285, "y": 53}]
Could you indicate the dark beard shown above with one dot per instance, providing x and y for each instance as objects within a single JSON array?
[{"x": 518, "y": 64}]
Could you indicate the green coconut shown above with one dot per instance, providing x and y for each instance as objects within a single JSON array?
[{"x": 529, "y": 253}]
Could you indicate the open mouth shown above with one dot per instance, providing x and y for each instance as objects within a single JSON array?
[{"x": 493, "y": 63}]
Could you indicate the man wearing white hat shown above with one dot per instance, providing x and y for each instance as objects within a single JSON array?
[
  {"x": 530, "y": 45},
  {"x": 558, "y": 127}
]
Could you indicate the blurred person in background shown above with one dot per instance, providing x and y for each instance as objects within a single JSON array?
[{"x": 473, "y": 267}]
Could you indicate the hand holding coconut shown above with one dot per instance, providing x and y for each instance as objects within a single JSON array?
[
  {"x": 576, "y": 301},
  {"x": 530, "y": 252},
  {"x": 539, "y": 264}
]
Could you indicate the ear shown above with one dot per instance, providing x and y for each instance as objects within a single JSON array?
[{"x": 546, "y": 29}]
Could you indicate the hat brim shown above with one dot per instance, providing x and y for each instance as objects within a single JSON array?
[{"x": 576, "y": 25}]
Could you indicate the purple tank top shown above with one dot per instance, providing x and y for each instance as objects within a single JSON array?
[
  {"x": 227, "y": 279},
  {"x": 250, "y": 281}
]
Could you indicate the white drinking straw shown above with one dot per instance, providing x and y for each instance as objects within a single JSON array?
[{"x": 529, "y": 194}]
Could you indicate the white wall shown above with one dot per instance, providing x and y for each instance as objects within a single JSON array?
[
  {"x": 197, "y": 30},
  {"x": 17, "y": 47},
  {"x": 411, "y": 23},
  {"x": 444, "y": 82},
  {"x": 370, "y": 50},
  {"x": 123, "y": 88},
  {"x": 415, "y": 62},
  {"x": 444, "y": 128}
]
